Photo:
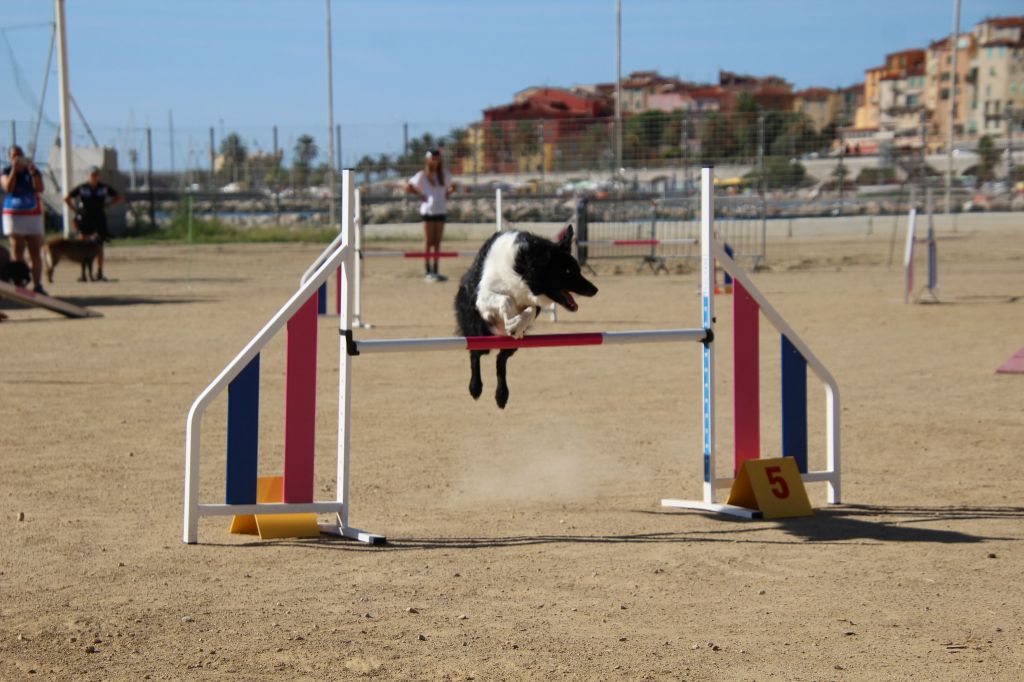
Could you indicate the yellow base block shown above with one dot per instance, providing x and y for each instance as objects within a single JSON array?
[{"x": 273, "y": 526}]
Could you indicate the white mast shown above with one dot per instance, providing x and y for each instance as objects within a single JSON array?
[{"x": 65, "y": 118}]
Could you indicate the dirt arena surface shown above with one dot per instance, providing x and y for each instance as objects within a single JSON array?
[{"x": 527, "y": 543}]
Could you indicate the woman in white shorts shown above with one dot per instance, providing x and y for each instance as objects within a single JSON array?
[
  {"x": 23, "y": 211},
  {"x": 433, "y": 185}
]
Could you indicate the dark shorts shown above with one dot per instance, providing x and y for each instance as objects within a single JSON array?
[
  {"x": 89, "y": 228},
  {"x": 439, "y": 218}
]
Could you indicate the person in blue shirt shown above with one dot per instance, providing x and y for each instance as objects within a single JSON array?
[{"x": 23, "y": 211}]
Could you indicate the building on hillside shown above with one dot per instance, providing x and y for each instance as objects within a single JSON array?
[
  {"x": 867, "y": 114},
  {"x": 531, "y": 133},
  {"x": 939, "y": 81},
  {"x": 672, "y": 97},
  {"x": 901, "y": 97},
  {"x": 819, "y": 105},
  {"x": 638, "y": 87},
  {"x": 736, "y": 83},
  {"x": 711, "y": 98},
  {"x": 849, "y": 100},
  {"x": 998, "y": 74}
]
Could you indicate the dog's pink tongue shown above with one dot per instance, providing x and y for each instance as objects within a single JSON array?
[{"x": 570, "y": 302}]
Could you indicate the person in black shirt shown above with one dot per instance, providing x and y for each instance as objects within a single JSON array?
[{"x": 92, "y": 199}]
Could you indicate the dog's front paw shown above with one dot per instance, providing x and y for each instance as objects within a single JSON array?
[
  {"x": 517, "y": 326},
  {"x": 501, "y": 396}
]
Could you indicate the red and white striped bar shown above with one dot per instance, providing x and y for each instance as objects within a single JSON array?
[
  {"x": 535, "y": 341},
  {"x": 637, "y": 242},
  {"x": 418, "y": 254}
]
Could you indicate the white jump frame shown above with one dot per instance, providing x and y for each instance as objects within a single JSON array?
[{"x": 344, "y": 256}]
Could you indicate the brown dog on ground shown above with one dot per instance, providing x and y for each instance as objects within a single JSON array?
[{"x": 83, "y": 251}]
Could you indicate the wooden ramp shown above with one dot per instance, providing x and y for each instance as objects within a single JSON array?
[{"x": 31, "y": 298}]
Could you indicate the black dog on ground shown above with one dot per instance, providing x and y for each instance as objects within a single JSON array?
[
  {"x": 513, "y": 276},
  {"x": 14, "y": 272}
]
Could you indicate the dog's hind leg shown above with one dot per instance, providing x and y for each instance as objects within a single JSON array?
[
  {"x": 476, "y": 384},
  {"x": 86, "y": 265},
  {"x": 51, "y": 263},
  {"x": 501, "y": 393}
]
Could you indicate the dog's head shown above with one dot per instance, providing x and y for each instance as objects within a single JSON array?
[
  {"x": 550, "y": 270},
  {"x": 16, "y": 273}
]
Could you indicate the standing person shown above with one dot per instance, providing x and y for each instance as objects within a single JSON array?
[
  {"x": 23, "y": 211},
  {"x": 433, "y": 185},
  {"x": 92, "y": 198}
]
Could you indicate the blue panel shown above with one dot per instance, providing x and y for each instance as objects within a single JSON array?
[
  {"x": 243, "y": 435},
  {"x": 794, "y": 405},
  {"x": 321, "y": 299},
  {"x": 727, "y": 278}
]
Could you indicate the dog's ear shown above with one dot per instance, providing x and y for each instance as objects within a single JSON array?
[{"x": 565, "y": 239}]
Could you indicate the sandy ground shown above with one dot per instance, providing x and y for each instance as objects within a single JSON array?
[{"x": 526, "y": 543}]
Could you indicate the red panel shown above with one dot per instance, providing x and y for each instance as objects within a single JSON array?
[
  {"x": 746, "y": 376},
  {"x": 424, "y": 254},
  {"x": 300, "y": 404},
  {"x": 537, "y": 341},
  {"x": 637, "y": 242}
]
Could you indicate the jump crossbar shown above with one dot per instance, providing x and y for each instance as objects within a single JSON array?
[
  {"x": 418, "y": 254},
  {"x": 636, "y": 242},
  {"x": 534, "y": 341}
]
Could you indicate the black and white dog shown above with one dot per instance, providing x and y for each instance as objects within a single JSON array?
[{"x": 513, "y": 276}]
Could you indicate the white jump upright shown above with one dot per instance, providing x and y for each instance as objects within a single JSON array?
[
  {"x": 241, "y": 378},
  {"x": 931, "y": 287}
]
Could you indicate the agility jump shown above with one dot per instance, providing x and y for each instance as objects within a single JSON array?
[
  {"x": 932, "y": 285},
  {"x": 241, "y": 379}
]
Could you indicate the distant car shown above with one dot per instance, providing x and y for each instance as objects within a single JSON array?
[{"x": 231, "y": 188}]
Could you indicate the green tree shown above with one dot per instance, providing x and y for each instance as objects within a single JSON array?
[
  {"x": 988, "y": 157},
  {"x": 365, "y": 165},
  {"x": 779, "y": 172},
  {"x": 717, "y": 139},
  {"x": 305, "y": 152}
]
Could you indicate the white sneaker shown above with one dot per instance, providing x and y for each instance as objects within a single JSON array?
[{"x": 430, "y": 277}]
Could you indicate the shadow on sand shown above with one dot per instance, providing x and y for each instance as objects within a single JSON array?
[{"x": 846, "y": 524}]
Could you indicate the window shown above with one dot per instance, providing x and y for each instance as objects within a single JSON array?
[{"x": 944, "y": 94}]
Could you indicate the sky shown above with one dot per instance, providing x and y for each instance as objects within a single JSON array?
[{"x": 248, "y": 65}]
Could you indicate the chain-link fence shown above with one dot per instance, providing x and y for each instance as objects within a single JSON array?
[{"x": 781, "y": 161}]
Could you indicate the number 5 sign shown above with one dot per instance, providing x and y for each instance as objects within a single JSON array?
[{"x": 772, "y": 486}]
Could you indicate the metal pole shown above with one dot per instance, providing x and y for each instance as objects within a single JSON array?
[
  {"x": 149, "y": 176},
  {"x": 273, "y": 180},
  {"x": 618, "y": 87},
  {"x": 170, "y": 131},
  {"x": 337, "y": 144},
  {"x": 212, "y": 156},
  {"x": 1009, "y": 151},
  {"x": 330, "y": 117},
  {"x": 42, "y": 95},
  {"x": 14, "y": 132},
  {"x": 951, "y": 123},
  {"x": 65, "y": 114}
]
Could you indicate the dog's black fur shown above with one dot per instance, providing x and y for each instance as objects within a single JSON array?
[
  {"x": 542, "y": 271},
  {"x": 14, "y": 272}
]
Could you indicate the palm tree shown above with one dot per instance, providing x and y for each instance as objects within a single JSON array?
[
  {"x": 305, "y": 151},
  {"x": 366, "y": 166}
]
